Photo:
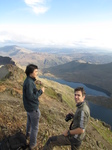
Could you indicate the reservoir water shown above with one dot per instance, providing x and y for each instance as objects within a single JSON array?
[
  {"x": 97, "y": 112},
  {"x": 101, "y": 113}
]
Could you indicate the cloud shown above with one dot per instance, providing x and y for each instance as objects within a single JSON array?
[
  {"x": 33, "y": 2},
  {"x": 84, "y": 35},
  {"x": 38, "y": 6}
]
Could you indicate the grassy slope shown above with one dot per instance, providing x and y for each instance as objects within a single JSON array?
[{"x": 55, "y": 103}]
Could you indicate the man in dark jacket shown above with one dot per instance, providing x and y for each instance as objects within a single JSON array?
[
  {"x": 76, "y": 132},
  {"x": 31, "y": 104}
]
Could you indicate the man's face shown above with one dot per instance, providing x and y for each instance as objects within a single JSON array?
[
  {"x": 78, "y": 97},
  {"x": 34, "y": 74}
]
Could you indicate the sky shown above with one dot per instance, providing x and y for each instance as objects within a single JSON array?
[{"x": 56, "y": 23}]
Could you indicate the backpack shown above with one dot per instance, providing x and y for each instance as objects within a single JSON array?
[{"x": 14, "y": 142}]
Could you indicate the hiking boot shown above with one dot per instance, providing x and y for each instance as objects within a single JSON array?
[{"x": 27, "y": 140}]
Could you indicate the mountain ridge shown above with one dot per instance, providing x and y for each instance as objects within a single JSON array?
[
  {"x": 13, "y": 50},
  {"x": 48, "y": 57}
]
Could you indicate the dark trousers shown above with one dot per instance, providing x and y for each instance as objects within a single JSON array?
[
  {"x": 62, "y": 140},
  {"x": 32, "y": 126}
]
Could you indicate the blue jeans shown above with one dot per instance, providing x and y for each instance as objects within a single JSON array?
[{"x": 32, "y": 126}]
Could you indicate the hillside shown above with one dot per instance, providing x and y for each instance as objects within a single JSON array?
[
  {"x": 91, "y": 74},
  {"x": 55, "y": 103}
]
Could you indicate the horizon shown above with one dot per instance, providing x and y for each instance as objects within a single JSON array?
[
  {"x": 58, "y": 50},
  {"x": 50, "y": 23}
]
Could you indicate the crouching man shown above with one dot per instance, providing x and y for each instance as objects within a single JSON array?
[{"x": 76, "y": 132}]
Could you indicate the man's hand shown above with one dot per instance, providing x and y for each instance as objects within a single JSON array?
[
  {"x": 65, "y": 133},
  {"x": 43, "y": 89},
  {"x": 71, "y": 114}
]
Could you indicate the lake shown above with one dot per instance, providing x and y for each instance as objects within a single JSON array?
[
  {"x": 97, "y": 112},
  {"x": 101, "y": 113}
]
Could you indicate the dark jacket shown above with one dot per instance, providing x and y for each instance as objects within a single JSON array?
[{"x": 30, "y": 95}]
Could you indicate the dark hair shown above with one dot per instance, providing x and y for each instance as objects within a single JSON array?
[
  {"x": 80, "y": 89},
  {"x": 30, "y": 68}
]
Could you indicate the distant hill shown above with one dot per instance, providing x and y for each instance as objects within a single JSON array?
[
  {"x": 13, "y": 50},
  {"x": 49, "y": 57},
  {"x": 99, "y": 75},
  {"x": 24, "y": 56},
  {"x": 55, "y": 103}
]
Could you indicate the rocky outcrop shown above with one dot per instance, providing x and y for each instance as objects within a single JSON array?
[
  {"x": 6, "y": 60},
  {"x": 11, "y": 72}
]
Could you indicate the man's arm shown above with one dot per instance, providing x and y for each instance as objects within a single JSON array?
[{"x": 73, "y": 132}]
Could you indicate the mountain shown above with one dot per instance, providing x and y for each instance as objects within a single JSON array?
[
  {"x": 24, "y": 56},
  {"x": 13, "y": 50},
  {"x": 90, "y": 74},
  {"x": 55, "y": 103},
  {"x": 49, "y": 57}
]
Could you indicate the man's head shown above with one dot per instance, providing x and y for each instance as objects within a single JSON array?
[
  {"x": 79, "y": 94},
  {"x": 31, "y": 70}
]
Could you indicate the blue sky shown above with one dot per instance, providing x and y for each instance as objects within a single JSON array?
[{"x": 62, "y": 23}]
